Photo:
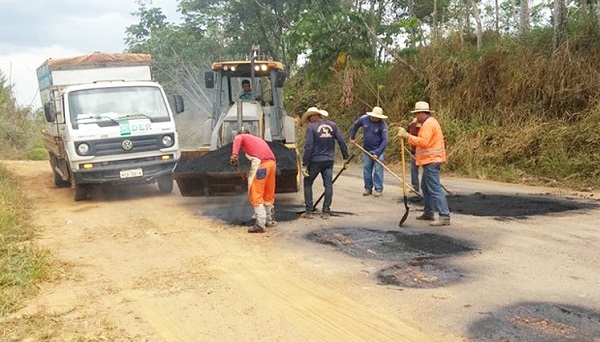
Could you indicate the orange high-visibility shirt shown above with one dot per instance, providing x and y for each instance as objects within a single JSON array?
[{"x": 429, "y": 143}]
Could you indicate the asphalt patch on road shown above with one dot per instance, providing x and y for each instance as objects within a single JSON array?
[
  {"x": 517, "y": 206},
  {"x": 240, "y": 214},
  {"x": 419, "y": 273},
  {"x": 389, "y": 245},
  {"x": 538, "y": 322},
  {"x": 415, "y": 254}
]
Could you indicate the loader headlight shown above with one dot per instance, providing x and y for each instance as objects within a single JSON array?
[
  {"x": 263, "y": 67},
  {"x": 167, "y": 140},
  {"x": 83, "y": 149}
]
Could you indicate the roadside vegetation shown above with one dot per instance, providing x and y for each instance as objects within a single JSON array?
[
  {"x": 515, "y": 87},
  {"x": 22, "y": 265},
  {"x": 19, "y": 128}
]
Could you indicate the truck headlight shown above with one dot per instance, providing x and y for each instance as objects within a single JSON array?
[
  {"x": 83, "y": 149},
  {"x": 167, "y": 141}
]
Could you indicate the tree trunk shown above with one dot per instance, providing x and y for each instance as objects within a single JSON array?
[
  {"x": 560, "y": 22},
  {"x": 411, "y": 14},
  {"x": 478, "y": 30},
  {"x": 497, "y": 15},
  {"x": 435, "y": 23},
  {"x": 524, "y": 17}
]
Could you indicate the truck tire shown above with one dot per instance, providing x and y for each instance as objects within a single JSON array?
[
  {"x": 165, "y": 184},
  {"x": 58, "y": 181},
  {"x": 81, "y": 193}
]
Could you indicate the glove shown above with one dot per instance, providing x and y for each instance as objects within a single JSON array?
[
  {"x": 233, "y": 160},
  {"x": 402, "y": 132},
  {"x": 305, "y": 171}
]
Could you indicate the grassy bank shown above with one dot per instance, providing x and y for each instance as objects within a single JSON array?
[
  {"x": 518, "y": 110},
  {"x": 21, "y": 263}
]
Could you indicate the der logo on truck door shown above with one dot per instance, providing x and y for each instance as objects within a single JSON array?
[{"x": 132, "y": 127}]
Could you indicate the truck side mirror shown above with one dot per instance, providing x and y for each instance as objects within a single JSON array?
[
  {"x": 179, "y": 105},
  {"x": 49, "y": 112},
  {"x": 280, "y": 78},
  {"x": 209, "y": 79}
]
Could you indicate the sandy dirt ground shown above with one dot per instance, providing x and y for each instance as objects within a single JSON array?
[{"x": 138, "y": 265}]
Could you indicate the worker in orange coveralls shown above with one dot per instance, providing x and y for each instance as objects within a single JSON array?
[{"x": 261, "y": 177}]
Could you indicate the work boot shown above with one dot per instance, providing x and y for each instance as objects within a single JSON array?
[
  {"x": 378, "y": 193},
  {"x": 441, "y": 221},
  {"x": 426, "y": 218},
  {"x": 256, "y": 228},
  {"x": 270, "y": 216},
  {"x": 325, "y": 215},
  {"x": 307, "y": 215},
  {"x": 261, "y": 219},
  {"x": 367, "y": 192}
]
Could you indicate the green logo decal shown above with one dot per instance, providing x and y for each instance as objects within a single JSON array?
[{"x": 125, "y": 128}]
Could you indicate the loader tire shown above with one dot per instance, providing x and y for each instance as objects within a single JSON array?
[{"x": 165, "y": 184}]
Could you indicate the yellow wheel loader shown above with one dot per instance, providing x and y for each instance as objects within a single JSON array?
[{"x": 258, "y": 109}]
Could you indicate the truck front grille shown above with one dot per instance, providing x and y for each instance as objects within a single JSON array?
[{"x": 126, "y": 145}]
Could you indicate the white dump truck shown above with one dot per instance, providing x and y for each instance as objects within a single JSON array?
[{"x": 108, "y": 123}]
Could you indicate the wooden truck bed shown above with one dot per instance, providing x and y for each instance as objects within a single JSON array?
[{"x": 54, "y": 144}]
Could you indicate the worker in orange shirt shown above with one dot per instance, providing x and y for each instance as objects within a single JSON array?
[
  {"x": 261, "y": 177},
  {"x": 430, "y": 154}
]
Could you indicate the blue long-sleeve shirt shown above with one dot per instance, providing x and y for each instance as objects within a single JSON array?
[
  {"x": 375, "y": 134},
  {"x": 319, "y": 143}
]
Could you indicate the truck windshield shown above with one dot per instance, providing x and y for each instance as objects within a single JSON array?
[{"x": 108, "y": 105}]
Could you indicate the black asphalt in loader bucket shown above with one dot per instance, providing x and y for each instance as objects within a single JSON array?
[{"x": 210, "y": 173}]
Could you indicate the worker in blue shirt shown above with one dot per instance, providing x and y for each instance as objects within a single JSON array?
[
  {"x": 318, "y": 157},
  {"x": 375, "y": 140}
]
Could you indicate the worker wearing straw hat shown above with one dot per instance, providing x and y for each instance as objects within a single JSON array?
[
  {"x": 430, "y": 154},
  {"x": 375, "y": 140},
  {"x": 318, "y": 157}
]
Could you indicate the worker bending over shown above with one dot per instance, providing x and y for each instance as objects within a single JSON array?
[{"x": 261, "y": 177}]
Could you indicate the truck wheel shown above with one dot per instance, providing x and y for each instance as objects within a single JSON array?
[
  {"x": 81, "y": 193},
  {"x": 165, "y": 184},
  {"x": 58, "y": 181}
]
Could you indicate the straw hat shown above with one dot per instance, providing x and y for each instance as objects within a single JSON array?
[
  {"x": 323, "y": 112},
  {"x": 377, "y": 112},
  {"x": 422, "y": 106},
  {"x": 310, "y": 112}
]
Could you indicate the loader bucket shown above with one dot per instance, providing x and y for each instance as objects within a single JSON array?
[{"x": 210, "y": 174}]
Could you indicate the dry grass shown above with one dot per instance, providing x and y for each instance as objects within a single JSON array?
[
  {"x": 21, "y": 264},
  {"x": 517, "y": 111}
]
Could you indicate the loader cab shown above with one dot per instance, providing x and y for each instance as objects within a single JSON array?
[{"x": 264, "y": 110}]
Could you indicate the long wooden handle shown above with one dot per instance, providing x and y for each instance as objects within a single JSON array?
[
  {"x": 403, "y": 166},
  {"x": 388, "y": 170}
]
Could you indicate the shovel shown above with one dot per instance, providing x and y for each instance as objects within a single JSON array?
[
  {"x": 390, "y": 171},
  {"x": 403, "y": 184},
  {"x": 344, "y": 167}
]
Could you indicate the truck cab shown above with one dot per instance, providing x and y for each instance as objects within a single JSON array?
[{"x": 107, "y": 123}]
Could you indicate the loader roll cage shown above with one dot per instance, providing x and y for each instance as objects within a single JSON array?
[{"x": 267, "y": 79}]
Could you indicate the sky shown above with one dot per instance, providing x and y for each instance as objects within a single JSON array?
[{"x": 32, "y": 31}]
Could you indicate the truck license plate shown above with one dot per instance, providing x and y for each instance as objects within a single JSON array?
[{"x": 131, "y": 173}]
